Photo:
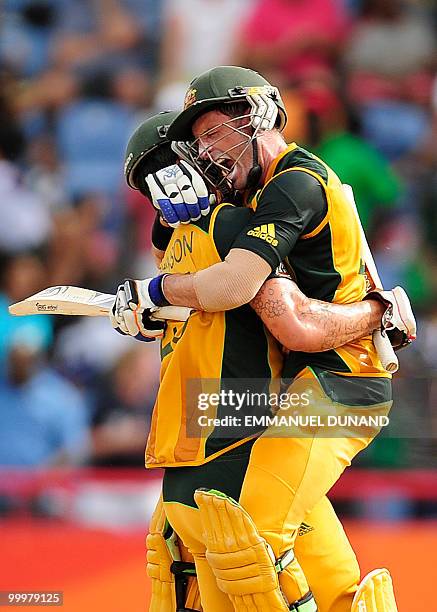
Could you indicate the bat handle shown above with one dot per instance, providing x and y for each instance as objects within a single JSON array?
[
  {"x": 174, "y": 313},
  {"x": 385, "y": 351}
]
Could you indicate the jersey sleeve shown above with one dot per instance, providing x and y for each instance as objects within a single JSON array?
[
  {"x": 292, "y": 204},
  {"x": 229, "y": 222},
  {"x": 161, "y": 235}
]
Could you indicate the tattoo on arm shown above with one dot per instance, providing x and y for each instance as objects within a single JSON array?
[
  {"x": 309, "y": 325},
  {"x": 338, "y": 322},
  {"x": 265, "y": 303}
]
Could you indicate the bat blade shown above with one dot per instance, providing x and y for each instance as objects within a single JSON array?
[
  {"x": 65, "y": 300},
  {"x": 69, "y": 300}
]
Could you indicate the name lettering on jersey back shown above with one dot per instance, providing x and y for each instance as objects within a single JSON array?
[
  {"x": 265, "y": 232},
  {"x": 177, "y": 251}
]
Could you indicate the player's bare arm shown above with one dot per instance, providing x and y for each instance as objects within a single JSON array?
[
  {"x": 223, "y": 286},
  {"x": 300, "y": 323}
]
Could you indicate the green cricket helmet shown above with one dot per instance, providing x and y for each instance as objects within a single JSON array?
[
  {"x": 150, "y": 135},
  {"x": 263, "y": 110},
  {"x": 226, "y": 84}
]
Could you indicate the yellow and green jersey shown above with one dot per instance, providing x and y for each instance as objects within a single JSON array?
[
  {"x": 303, "y": 218},
  {"x": 208, "y": 348}
]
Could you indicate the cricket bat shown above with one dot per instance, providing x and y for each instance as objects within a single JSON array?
[
  {"x": 68, "y": 300},
  {"x": 381, "y": 341}
]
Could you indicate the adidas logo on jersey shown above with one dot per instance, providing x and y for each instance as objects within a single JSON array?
[
  {"x": 265, "y": 232},
  {"x": 304, "y": 528}
]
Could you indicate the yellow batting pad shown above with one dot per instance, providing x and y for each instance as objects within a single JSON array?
[
  {"x": 375, "y": 593},
  {"x": 158, "y": 565},
  {"x": 238, "y": 555}
]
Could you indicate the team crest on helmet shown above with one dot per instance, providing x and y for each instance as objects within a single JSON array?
[{"x": 190, "y": 98}]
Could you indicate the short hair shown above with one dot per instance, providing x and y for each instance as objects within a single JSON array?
[
  {"x": 238, "y": 109},
  {"x": 156, "y": 160},
  {"x": 234, "y": 109}
]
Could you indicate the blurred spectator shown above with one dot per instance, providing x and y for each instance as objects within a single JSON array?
[
  {"x": 400, "y": 255},
  {"x": 81, "y": 250},
  {"x": 43, "y": 418},
  {"x": 131, "y": 87},
  {"x": 394, "y": 128},
  {"x": 27, "y": 34},
  {"x": 293, "y": 41},
  {"x": 92, "y": 135},
  {"x": 21, "y": 276},
  {"x": 44, "y": 174},
  {"x": 124, "y": 407},
  {"x": 390, "y": 61},
  {"x": 355, "y": 161},
  {"x": 87, "y": 349},
  {"x": 25, "y": 222},
  {"x": 106, "y": 34},
  {"x": 198, "y": 34},
  {"x": 36, "y": 99},
  {"x": 297, "y": 128},
  {"x": 391, "y": 53}
]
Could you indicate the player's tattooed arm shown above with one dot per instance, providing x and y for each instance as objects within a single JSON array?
[{"x": 303, "y": 324}]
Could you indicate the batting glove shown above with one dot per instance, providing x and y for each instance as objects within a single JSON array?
[
  {"x": 398, "y": 320},
  {"x": 179, "y": 193},
  {"x": 264, "y": 111},
  {"x": 135, "y": 303}
]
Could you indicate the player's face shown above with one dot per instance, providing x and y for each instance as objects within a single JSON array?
[{"x": 225, "y": 142}]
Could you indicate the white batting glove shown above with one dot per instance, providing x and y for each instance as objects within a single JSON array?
[
  {"x": 264, "y": 111},
  {"x": 398, "y": 320},
  {"x": 135, "y": 303},
  {"x": 179, "y": 193}
]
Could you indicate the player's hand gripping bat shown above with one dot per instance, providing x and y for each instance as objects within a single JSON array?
[{"x": 68, "y": 300}]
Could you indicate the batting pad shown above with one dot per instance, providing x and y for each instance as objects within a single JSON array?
[
  {"x": 375, "y": 593},
  {"x": 159, "y": 561},
  {"x": 238, "y": 555}
]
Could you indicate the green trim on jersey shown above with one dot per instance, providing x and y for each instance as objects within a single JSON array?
[
  {"x": 355, "y": 391},
  {"x": 301, "y": 158}
]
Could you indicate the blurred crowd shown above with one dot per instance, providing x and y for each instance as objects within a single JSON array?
[{"x": 359, "y": 78}]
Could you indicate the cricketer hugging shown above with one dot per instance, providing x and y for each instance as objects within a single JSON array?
[{"x": 260, "y": 240}]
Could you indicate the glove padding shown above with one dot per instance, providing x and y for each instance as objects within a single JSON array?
[
  {"x": 179, "y": 193},
  {"x": 263, "y": 110},
  {"x": 398, "y": 320},
  {"x": 132, "y": 312}
]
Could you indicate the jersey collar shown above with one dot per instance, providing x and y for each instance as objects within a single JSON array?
[
  {"x": 250, "y": 198},
  {"x": 275, "y": 162}
]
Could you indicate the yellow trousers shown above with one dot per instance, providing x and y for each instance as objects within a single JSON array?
[
  {"x": 323, "y": 551},
  {"x": 285, "y": 485}
]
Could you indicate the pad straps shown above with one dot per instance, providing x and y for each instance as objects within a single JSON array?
[
  {"x": 306, "y": 603},
  {"x": 180, "y": 569}
]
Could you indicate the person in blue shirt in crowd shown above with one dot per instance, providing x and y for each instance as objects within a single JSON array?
[{"x": 43, "y": 417}]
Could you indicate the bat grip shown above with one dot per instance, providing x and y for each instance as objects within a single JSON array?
[{"x": 385, "y": 351}]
